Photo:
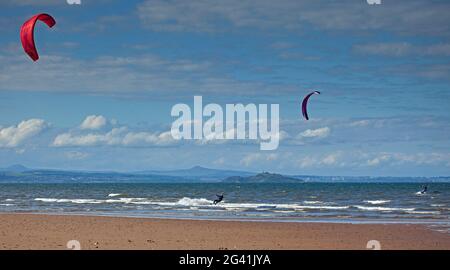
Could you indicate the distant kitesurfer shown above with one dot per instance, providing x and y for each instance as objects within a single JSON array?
[
  {"x": 424, "y": 189},
  {"x": 305, "y": 104},
  {"x": 219, "y": 198}
]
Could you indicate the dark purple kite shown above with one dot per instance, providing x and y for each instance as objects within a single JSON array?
[{"x": 305, "y": 104}]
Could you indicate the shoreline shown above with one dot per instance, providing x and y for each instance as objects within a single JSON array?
[
  {"x": 43, "y": 231},
  {"x": 425, "y": 222}
]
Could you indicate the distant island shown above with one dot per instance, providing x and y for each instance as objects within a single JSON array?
[{"x": 264, "y": 177}]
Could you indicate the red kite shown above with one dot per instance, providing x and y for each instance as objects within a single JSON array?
[{"x": 27, "y": 33}]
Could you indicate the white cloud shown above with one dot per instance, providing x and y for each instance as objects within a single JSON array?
[
  {"x": 20, "y": 151},
  {"x": 251, "y": 159},
  {"x": 389, "y": 49},
  {"x": 281, "y": 45},
  {"x": 15, "y": 135},
  {"x": 74, "y": 2},
  {"x": 403, "y": 49},
  {"x": 416, "y": 159},
  {"x": 144, "y": 75},
  {"x": 75, "y": 155},
  {"x": 355, "y": 160},
  {"x": 442, "y": 49},
  {"x": 113, "y": 137},
  {"x": 283, "y": 135},
  {"x": 118, "y": 136},
  {"x": 414, "y": 17},
  {"x": 330, "y": 159},
  {"x": 379, "y": 159},
  {"x": 306, "y": 162},
  {"x": 315, "y": 133},
  {"x": 93, "y": 122},
  {"x": 220, "y": 161},
  {"x": 31, "y": 2},
  {"x": 360, "y": 123},
  {"x": 434, "y": 71},
  {"x": 146, "y": 138}
]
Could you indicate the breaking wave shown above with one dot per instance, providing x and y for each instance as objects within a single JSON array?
[
  {"x": 198, "y": 202},
  {"x": 385, "y": 209},
  {"x": 203, "y": 204},
  {"x": 376, "y": 202}
]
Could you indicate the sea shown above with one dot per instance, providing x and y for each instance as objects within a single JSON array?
[{"x": 297, "y": 202}]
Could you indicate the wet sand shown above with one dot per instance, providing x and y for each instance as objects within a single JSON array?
[{"x": 32, "y": 231}]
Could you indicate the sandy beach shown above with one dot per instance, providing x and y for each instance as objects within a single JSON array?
[{"x": 31, "y": 231}]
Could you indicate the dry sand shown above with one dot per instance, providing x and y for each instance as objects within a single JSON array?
[{"x": 31, "y": 231}]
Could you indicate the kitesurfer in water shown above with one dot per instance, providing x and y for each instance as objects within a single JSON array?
[
  {"x": 219, "y": 198},
  {"x": 424, "y": 189}
]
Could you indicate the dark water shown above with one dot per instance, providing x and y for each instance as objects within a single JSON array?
[{"x": 355, "y": 202}]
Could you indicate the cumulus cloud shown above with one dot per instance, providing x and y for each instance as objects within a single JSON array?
[
  {"x": 144, "y": 74},
  {"x": 94, "y": 122},
  {"x": 32, "y": 2},
  {"x": 252, "y": 158},
  {"x": 220, "y": 161},
  {"x": 49, "y": 2},
  {"x": 348, "y": 160},
  {"x": 413, "y": 17},
  {"x": 360, "y": 123},
  {"x": 76, "y": 155},
  {"x": 388, "y": 49},
  {"x": 402, "y": 49},
  {"x": 403, "y": 158},
  {"x": 315, "y": 133},
  {"x": 442, "y": 49},
  {"x": 330, "y": 160},
  {"x": 117, "y": 136},
  {"x": 379, "y": 159},
  {"x": 146, "y": 138},
  {"x": 14, "y": 136},
  {"x": 305, "y": 162},
  {"x": 433, "y": 71},
  {"x": 112, "y": 137}
]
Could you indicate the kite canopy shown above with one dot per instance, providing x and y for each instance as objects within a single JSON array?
[
  {"x": 305, "y": 104},
  {"x": 27, "y": 33}
]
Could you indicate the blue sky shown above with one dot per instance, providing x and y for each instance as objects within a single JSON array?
[{"x": 110, "y": 71}]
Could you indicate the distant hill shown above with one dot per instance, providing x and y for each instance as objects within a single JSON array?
[
  {"x": 21, "y": 174},
  {"x": 264, "y": 177},
  {"x": 199, "y": 173},
  {"x": 17, "y": 168},
  {"x": 55, "y": 176}
]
